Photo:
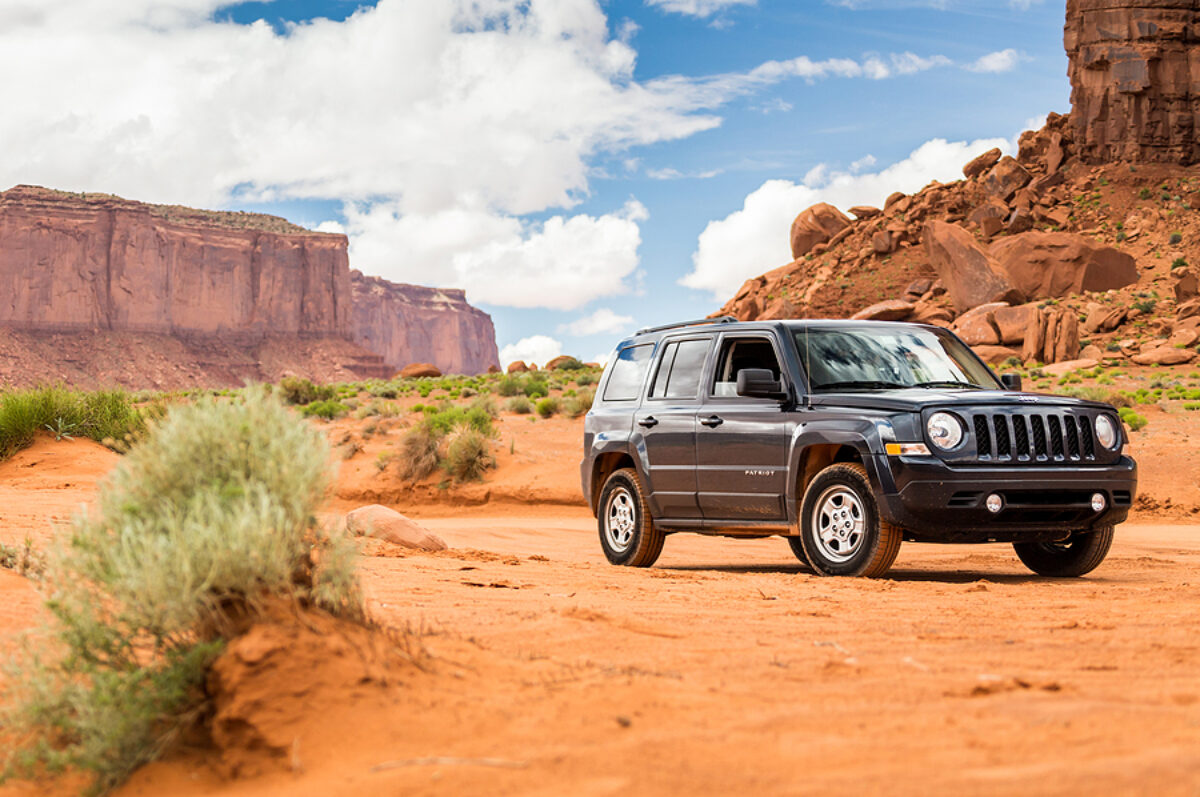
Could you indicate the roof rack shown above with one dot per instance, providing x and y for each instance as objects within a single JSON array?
[{"x": 721, "y": 319}]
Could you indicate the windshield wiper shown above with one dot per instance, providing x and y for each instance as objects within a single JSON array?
[
  {"x": 950, "y": 383},
  {"x": 862, "y": 384}
]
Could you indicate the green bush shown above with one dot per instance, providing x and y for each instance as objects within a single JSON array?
[
  {"x": 519, "y": 404},
  {"x": 1144, "y": 193},
  {"x": 578, "y": 404},
  {"x": 1179, "y": 262},
  {"x": 1132, "y": 419},
  {"x": 1192, "y": 405},
  {"x": 106, "y": 416},
  {"x": 298, "y": 390},
  {"x": 548, "y": 406},
  {"x": 1175, "y": 239},
  {"x": 205, "y": 523},
  {"x": 583, "y": 380},
  {"x": 419, "y": 452},
  {"x": 536, "y": 387},
  {"x": 509, "y": 386},
  {"x": 327, "y": 409},
  {"x": 468, "y": 456},
  {"x": 570, "y": 364}
]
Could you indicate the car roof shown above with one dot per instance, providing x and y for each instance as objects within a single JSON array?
[{"x": 730, "y": 324}]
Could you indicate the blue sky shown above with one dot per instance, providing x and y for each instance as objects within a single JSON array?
[{"x": 579, "y": 167}]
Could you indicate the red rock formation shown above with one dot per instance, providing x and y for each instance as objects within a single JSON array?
[
  {"x": 412, "y": 324},
  {"x": 1135, "y": 79},
  {"x": 816, "y": 225}
]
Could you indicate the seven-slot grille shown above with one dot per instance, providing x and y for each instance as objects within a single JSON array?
[{"x": 1032, "y": 436}]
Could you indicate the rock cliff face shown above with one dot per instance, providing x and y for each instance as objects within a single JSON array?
[
  {"x": 70, "y": 261},
  {"x": 1135, "y": 79},
  {"x": 101, "y": 266},
  {"x": 409, "y": 324}
]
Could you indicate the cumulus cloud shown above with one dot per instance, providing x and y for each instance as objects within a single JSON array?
[
  {"x": 698, "y": 8},
  {"x": 754, "y": 239},
  {"x": 539, "y": 349},
  {"x": 999, "y": 61},
  {"x": 600, "y": 322}
]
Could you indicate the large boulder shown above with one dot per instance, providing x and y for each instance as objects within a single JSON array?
[
  {"x": 815, "y": 226},
  {"x": 1164, "y": 355},
  {"x": 1013, "y": 323},
  {"x": 418, "y": 370},
  {"x": 890, "y": 310},
  {"x": 517, "y": 367},
  {"x": 388, "y": 524},
  {"x": 969, "y": 274},
  {"x": 1186, "y": 285},
  {"x": 1046, "y": 265},
  {"x": 982, "y": 163},
  {"x": 1006, "y": 178}
]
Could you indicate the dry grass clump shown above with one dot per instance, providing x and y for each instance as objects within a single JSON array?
[
  {"x": 204, "y": 523},
  {"x": 102, "y": 415}
]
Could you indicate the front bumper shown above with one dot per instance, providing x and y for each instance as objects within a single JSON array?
[{"x": 935, "y": 502}]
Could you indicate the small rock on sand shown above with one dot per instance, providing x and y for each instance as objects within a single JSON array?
[{"x": 391, "y": 526}]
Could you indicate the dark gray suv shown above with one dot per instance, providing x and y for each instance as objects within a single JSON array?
[{"x": 845, "y": 437}]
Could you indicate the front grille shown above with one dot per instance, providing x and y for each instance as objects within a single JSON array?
[{"x": 1035, "y": 436}]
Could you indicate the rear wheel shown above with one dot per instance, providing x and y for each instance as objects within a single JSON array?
[
  {"x": 841, "y": 533},
  {"x": 1076, "y": 556},
  {"x": 627, "y": 532}
]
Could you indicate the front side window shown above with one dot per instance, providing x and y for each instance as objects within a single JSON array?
[
  {"x": 888, "y": 358},
  {"x": 628, "y": 373},
  {"x": 738, "y": 354}
]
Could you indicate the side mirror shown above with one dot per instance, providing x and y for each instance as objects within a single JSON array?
[
  {"x": 1011, "y": 381},
  {"x": 759, "y": 383}
]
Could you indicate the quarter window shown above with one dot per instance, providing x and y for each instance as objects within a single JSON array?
[
  {"x": 628, "y": 373},
  {"x": 684, "y": 378}
]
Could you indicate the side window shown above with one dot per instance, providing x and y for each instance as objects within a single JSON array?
[
  {"x": 737, "y": 354},
  {"x": 684, "y": 381},
  {"x": 664, "y": 370},
  {"x": 628, "y": 373}
]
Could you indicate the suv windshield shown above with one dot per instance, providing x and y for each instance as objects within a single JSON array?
[{"x": 888, "y": 358}]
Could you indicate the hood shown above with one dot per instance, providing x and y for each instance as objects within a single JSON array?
[{"x": 916, "y": 399}]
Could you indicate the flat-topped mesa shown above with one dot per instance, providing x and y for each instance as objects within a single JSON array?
[
  {"x": 95, "y": 261},
  {"x": 1135, "y": 79},
  {"x": 410, "y": 323}
]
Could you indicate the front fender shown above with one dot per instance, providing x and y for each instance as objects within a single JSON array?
[{"x": 867, "y": 436}]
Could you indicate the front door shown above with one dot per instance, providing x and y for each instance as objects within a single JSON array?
[
  {"x": 741, "y": 443},
  {"x": 666, "y": 423}
]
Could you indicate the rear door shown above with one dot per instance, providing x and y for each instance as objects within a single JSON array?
[
  {"x": 666, "y": 423},
  {"x": 741, "y": 443}
]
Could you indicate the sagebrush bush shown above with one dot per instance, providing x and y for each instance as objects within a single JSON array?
[
  {"x": 205, "y": 522},
  {"x": 509, "y": 386},
  {"x": 419, "y": 452},
  {"x": 326, "y": 408},
  {"x": 548, "y": 406},
  {"x": 298, "y": 390},
  {"x": 578, "y": 404},
  {"x": 102, "y": 415},
  {"x": 536, "y": 387},
  {"x": 468, "y": 455},
  {"x": 519, "y": 404}
]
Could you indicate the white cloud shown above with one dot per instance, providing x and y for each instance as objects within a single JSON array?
[
  {"x": 753, "y": 240},
  {"x": 562, "y": 263},
  {"x": 697, "y": 8},
  {"x": 539, "y": 349},
  {"x": 999, "y": 61},
  {"x": 865, "y": 162},
  {"x": 600, "y": 322}
]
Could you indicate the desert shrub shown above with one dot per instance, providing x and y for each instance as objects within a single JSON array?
[
  {"x": 468, "y": 455},
  {"x": 1144, "y": 193},
  {"x": 104, "y": 416},
  {"x": 509, "y": 386},
  {"x": 536, "y": 387},
  {"x": 298, "y": 390},
  {"x": 570, "y": 364},
  {"x": 1145, "y": 305},
  {"x": 419, "y": 453},
  {"x": 206, "y": 522},
  {"x": 1175, "y": 239},
  {"x": 1113, "y": 397},
  {"x": 519, "y": 404},
  {"x": 385, "y": 391},
  {"x": 1179, "y": 262},
  {"x": 578, "y": 404},
  {"x": 327, "y": 409},
  {"x": 585, "y": 379},
  {"x": 548, "y": 406},
  {"x": 1192, "y": 405},
  {"x": 1132, "y": 419}
]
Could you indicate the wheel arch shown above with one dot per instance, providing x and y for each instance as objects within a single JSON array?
[
  {"x": 813, "y": 452},
  {"x": 605, "y": 465}
]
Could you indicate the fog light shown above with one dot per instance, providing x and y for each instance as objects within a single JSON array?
[
  {"x": 994, "y": 503},
  {"x": 1098, "y": 502}
]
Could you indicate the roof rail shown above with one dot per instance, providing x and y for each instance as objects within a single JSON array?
[{"x": 721, "y": 319}]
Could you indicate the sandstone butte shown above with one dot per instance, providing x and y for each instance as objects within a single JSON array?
[{"x": 98, "y": 263}]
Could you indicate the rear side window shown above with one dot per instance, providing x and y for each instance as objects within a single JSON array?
[
  {"x": 628, "y": 373},
  {"x": 679, "y": 372}
]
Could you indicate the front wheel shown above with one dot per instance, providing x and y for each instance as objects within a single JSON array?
[
  {"x": 1078, "y": 555},
  {"x": 627, "y": 532},
  {"x": 841, "y": 532}
]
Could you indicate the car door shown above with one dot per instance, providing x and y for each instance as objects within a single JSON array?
[
  {"x": 741, "y": 443},
  {"x": 666, "y": 423}
]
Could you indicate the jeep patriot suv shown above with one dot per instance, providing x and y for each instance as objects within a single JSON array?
[{"x": 845, "y": 437}]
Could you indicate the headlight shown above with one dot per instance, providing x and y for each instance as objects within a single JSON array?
[
  {"x": 944, "y": 430},
  {"x": 1106, "y": 431}
]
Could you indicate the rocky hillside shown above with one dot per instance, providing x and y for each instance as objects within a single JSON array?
[
  {"x": 207, "y": 289},
  {"x": 1086, "y": 244}
]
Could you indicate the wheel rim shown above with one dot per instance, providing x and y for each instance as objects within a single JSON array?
[
  {"x": 620, "y": 519},
  {"x": 839, "y": 524}
]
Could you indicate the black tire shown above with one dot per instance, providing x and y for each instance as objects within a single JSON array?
[
  {"x": 1080, "y": 554},
  {"x": 797, "y": 546},
  {"x": 865, "y": 545},
  {"x": 627, "y": 531}
]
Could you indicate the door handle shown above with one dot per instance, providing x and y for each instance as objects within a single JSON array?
[
  {"x": 712, "y": 421},
  {"x": 648, "y": 422}
]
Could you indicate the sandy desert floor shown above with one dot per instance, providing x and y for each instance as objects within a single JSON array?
[{"x": 726, "y": 668}]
